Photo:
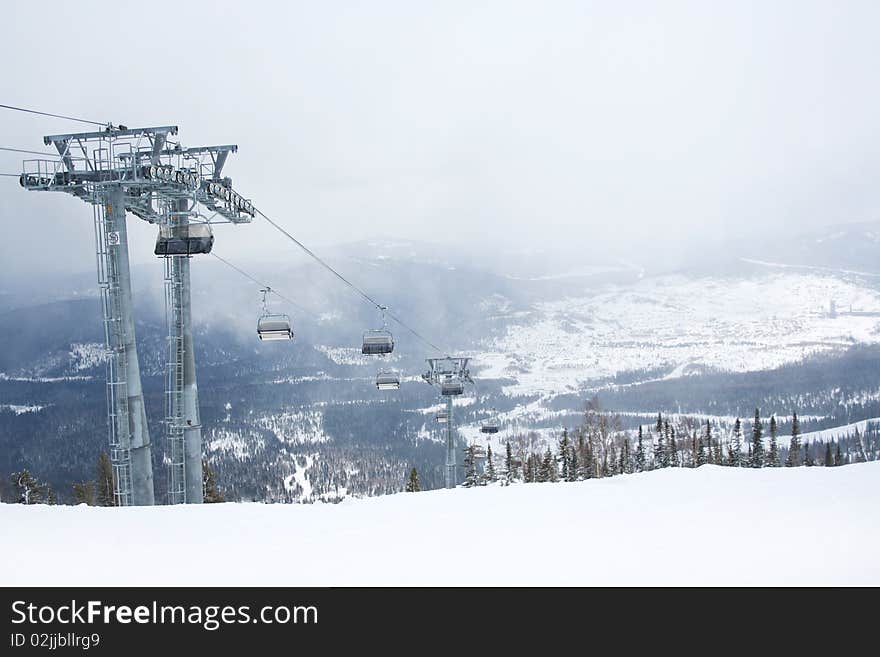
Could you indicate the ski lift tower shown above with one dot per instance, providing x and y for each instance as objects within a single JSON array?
[
  {"x": 118, "y": 170},
  {"x": 450, "y": 374}
]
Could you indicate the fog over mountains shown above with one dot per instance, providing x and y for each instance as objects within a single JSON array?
[{"x": 785, "y": 325}]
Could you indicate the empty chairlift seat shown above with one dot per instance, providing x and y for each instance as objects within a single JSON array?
[
  {"x": 185, "y": 240},
  {"x": 377, "y": 343},
  {"x": 489, "y": 427},
  {"x": 388, "y": 381},
  {"x": 274, "y": 327},
  {"x": 442, "y": 417}
]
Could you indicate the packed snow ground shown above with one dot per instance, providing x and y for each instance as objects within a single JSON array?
[{"x": 709, "y": 526}]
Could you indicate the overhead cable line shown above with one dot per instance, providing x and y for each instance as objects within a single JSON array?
[
  {"x": 57, "y": 116},
  {"x": 20, "y": 150},
  {"x": 354, "y": 287},
  {"x": 271, "y": 289}
]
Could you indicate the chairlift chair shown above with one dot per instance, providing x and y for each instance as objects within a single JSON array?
[
  {"x": 442, "y": 416},
  {"x": 451, "y": 387},
  {"x": 273, "y": 326},
  {"x": 388, "y": 381},
  {"x": 490, "y": 425},
  {"x": 378, "y": 342}
]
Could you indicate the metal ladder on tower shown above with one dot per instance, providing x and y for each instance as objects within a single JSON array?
[
  {"x": 174, "y": 378},
  {"x": 118, "y": 427}
]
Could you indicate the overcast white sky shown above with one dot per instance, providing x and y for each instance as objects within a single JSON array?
[{"x": 527, "y": 124}]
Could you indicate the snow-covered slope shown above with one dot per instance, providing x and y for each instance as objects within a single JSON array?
[{"x": 797, "y": 526}]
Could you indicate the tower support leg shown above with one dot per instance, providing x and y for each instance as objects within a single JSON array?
[
  {"x": 193, "y": 425},
  {"x": 450, "y": 446},
  {"x": 130, "y": 389}
]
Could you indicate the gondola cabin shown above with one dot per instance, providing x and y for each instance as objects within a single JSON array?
[{"x": 186, "y": 240}]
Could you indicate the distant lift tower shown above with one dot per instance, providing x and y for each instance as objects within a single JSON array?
[
  {"x": 119, "y": 170},
  {"x": 449, "y": 374}
]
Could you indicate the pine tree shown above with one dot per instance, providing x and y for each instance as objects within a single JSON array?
[
  {"x": 700, "y": 449},
  {"x": 640, "y": 453},
  {"x": 808, "y": 455},
  {"x": 829, "y": 459},
  {"x": 673, "y": 451},
  {"x": 548, "y": 467},
  {"x": 563, "y": 456},
  {"x": 838, "y": 457},
  {"x": 626, "y": 457},
  {"x": 490, "y": 466},
  {"x": 735, "y": 448},
  {"x": 84, "y": 493},
  {"x": 510, "y": 468},
  {"x": 660, "y": 450},
  {"x": 104, "y": 489},
  {"x": 773, "y": 456},
  {"x": 573, "y": 465},
  {"x": 212, "y": 493},
  {"x": 718, "y": 458},
  {"x": 708, "y": 457},
  {"x": 794, "y": 447},
  {"x": 413, "y": 485},
  {"x": 470, "y": 466},
  {"x": 757, "y": 460},
  {"x": 30, "y": 490}
]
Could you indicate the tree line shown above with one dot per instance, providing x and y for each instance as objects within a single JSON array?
[{"x": 599, "y": 447}]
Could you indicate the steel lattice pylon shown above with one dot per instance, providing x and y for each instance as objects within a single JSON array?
[
  {"x": 119, "y": 170},
  {"x": 450, "y": 373}
]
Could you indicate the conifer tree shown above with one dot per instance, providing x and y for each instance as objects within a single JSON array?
[
  {"x": 30, "y": 490},
  {"x": 673, "y": 451},
  {"x": 709, "y": 458},
  {"x": 794, "y": 447},
  {"x": 757, "y": 460},
  {"x": 626, "y": 457},
  {"x": 212, "y": 493},
  {"x": 640, "y": 453},
  {"x": 660, "y": 450},
  {"x": 84, "y": 493},
  {"x": 564, "y": 456},
  {"x": 104, "y": 489},
  {"x": 735, "y": 447},
  {"x": 413, "y": 485},
  {"x": 490, "y": 466},
  {"x": 773, "y": 456},
  {"x": 717, "y": 457},
  {"x": 700, "y": 450},
  {"x": 470, "y": 466},
  {"x": 573, "y": 465},
  {"x": 510, "y": 468},
  {"x": 829, "y": 459},
  {"x": 808, "y": 455},
  {"x": 838, "y": 457}
]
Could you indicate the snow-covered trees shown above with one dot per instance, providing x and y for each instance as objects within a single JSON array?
[
  {"x": 794, "y": 446},
  {"x": 412, "y": 484},
  {"x": 757, "y": 460},
  {"x": 773, "y": 455}
]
